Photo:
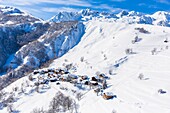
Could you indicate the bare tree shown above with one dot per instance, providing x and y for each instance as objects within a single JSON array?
[
  {"x": 15, "y": 89},
  {"x": 82, "y": 59},
  {"x": 154, "y": 51},
  {"x": 10, "y": 99},
  {"x": 105, "y": 57},
  {"x": 141, "y": 76},
  {"x": 2, "y": 94},
  {"x": 69, "y": 66},
  {"x": 60, "y": 103},
  {"x": 67, "y": 103},
  {"x": 54, "y": 106},
  {"x": 97, "y": 91},
  {"x": 104, "y": 84},
  {"x": 167, "y": 47},
  {"x": 37, "y": 89},
  {"x": 114, "y": 111},
  {"x": 128, "y": 51},
  {"x": 111, "y": 72},
  {"x": 30, "y": 78},
  {"x": 65, "y": 60},
  {"x": 38, "y": 110},
  {"x": 22, "y": 88},
  {"x": 10, "y": 108},
  {"x": 79, "y": 96}
]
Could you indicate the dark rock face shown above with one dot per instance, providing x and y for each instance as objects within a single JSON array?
[
  {"x": 50, "y": 44},
  {"x": 13, "y": 37},
  {"x": 16, "y": 19},
  {"x": 32, "y": 42}
]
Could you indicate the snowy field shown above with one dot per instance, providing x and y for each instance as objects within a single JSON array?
[{"x": 102, "y": 47}]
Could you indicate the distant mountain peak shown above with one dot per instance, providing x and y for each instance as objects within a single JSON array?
[
  {"x": 10, "y": 10},
  {"x": 134, "y": 13},
  {"x": 161, "y": 15},
  {"x": 122, "y": 13},
  {"x": 161, "y": 18},
  {"x": 85, "y": 11}
]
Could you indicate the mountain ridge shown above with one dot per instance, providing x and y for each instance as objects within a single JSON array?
[{"x": 160, "y": 18}]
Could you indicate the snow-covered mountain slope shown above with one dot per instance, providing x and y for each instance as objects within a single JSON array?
[
  {"x": 13, "y": 16},
  {"x": 17, "y": 29},
  {"x": 53, "y": 42},
  {"x": 135, "y": 78},
  {"x": 10, "y": 10},
  {"x": 160, "y": 18},
  {"x": 27, "y": 42}
]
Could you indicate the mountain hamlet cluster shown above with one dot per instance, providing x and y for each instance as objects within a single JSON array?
[{"x": 84, "y": 62}]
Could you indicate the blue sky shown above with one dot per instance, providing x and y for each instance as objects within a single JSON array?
[{"x": 47, "y": 8}]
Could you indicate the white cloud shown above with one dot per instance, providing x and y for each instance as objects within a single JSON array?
[
  {"x": 142, "y": 4},
  {"x": 107, "y": 7},
  {"x": 62, "y": 9},
  {"x": 57, "y": 2},
  {"x": 163, "y": 1},
  {"x": 69, "y": 2},
  {"x": 18, "y": 2},
  {"x": 153, "y": 6},
  {"x": 103, "y": 6},
  {"x": 148, "y": 6},
  {"x": 118, "y": 0},
  {"x": 40, "y": 9}
]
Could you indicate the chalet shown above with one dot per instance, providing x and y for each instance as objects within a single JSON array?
[{"x": 108, "y": 95}]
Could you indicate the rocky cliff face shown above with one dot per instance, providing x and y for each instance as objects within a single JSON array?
[
  {"x": 59, "y": 38},
  {"x": 13, "y": 37},
  {"x": 27, "y": 43}
]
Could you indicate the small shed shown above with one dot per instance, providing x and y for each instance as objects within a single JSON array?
[
  {"x": 84, "y": 77},
  {"x": 108, "y": 95}
]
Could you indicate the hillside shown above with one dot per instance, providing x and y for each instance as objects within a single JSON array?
[
  {"x": 28, "y": 42},
  {"x": 134, "y": 76}
]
